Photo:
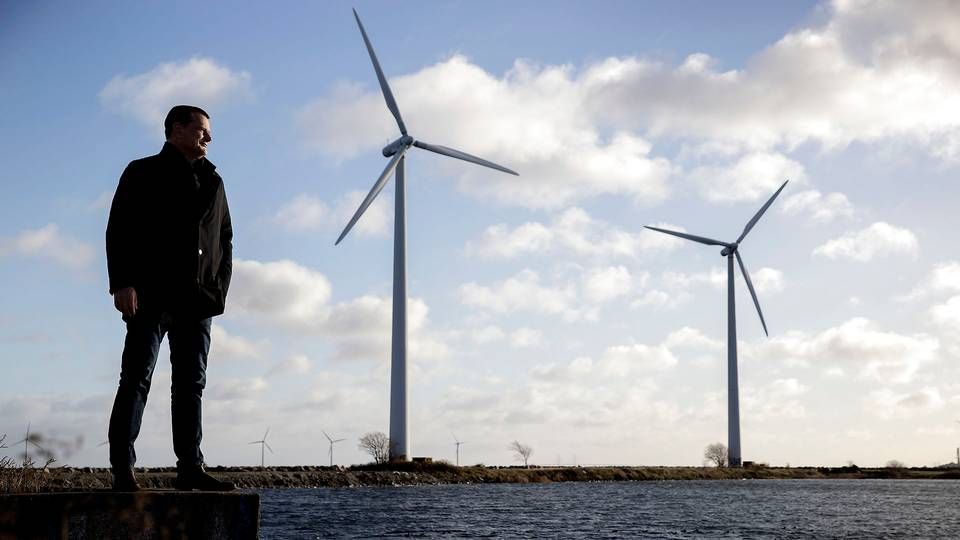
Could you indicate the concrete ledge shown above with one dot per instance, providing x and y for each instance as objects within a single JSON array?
[{"x": 142, "y": 515}]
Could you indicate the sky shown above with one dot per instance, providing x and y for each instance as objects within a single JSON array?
[{"x": 540, "y": 309}]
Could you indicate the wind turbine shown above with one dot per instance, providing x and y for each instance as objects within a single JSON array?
[
  {"x": 731, "y": 250},
  {"x": 457, "y": 442},
  {"x": 28, "y": 440},
  {"x": 399, "y": 436},
  {"x": 263, "y": 442},
  {"x": 332, "y": 442}
]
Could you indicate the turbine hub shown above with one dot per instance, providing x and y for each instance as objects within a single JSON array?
[
  {"x": 397, "y": 145},
  {"x": 729, "y": 250}
]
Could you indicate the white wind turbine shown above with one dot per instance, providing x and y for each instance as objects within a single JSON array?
[
  {"x": 332, "y": 442},
  {"x": 457, "y": 442},
  {"x": 399, "y": 436},
  {"x": 263, "y": 443},
  {"x": 733, "y": 387}
]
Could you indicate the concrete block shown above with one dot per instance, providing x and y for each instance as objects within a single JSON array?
[{"x": 149, "y": 514}]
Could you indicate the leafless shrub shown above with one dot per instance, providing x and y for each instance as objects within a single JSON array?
[
  {"x": 521, "y": 452},
  {"x": 716, "y": 454},
  {"x": 377, "y": 444}
]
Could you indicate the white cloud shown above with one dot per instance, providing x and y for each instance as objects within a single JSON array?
[
  {"x": 621, "y": 360},
  {"x": 886, "y": 403},
  {"x": 776, "y": 400},
  {"x": 48, "y": 242},
  {"x": 887, "y": 357},
  {"x": 198, "y": 81},
  {"x": 604, "y": 284},
  {"x": 767, "y": 280},
  {"x": 878, "y": 240},
  {"x": 688, "y": 337},
  {"x": 376, "y": 220},
  {"x": 224, "y": 345},
  {"x": 519, "y": 339},
  {"x": 303, "y": 213},
  {"x": 872, "y": 70},
  {"x": 716, "y": 277},
  {"x": 297, "y": 299},
  {"x": 282, "y": 289},
  {"x": 531, "y": 120},
  {"x": 945, "y": 277},
  {"x": 498, "y": 241},
  {"x": 818, "y": 208},
  {"x": 238, "y": 389},
  {"x": 309, "y": 213},
  {"x": 488, "y": 334},
  {"x": 947, "y": 314},
  {"x": 573, "y": 231},
  {"x": 754, "y": 176},
  {"x": 522, "y": 338},
  {"x": 522, "y": 292},
  {"x": 297, "y": 364}
]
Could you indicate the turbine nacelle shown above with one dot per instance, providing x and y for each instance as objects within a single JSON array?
[
  {"x": 391, "y": 149},
  {"x": 730, "y": 249}
]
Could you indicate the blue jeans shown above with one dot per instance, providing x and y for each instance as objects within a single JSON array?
[{"x": 189, "y": 345}]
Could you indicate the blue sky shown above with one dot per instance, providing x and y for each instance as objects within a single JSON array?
[{"x": 540, "y": 309}]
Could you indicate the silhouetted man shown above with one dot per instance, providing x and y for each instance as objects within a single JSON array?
[{"x": 169, "y": 256}]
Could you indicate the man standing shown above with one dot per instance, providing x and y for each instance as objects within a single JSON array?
[{"x": 169, "y": 257}]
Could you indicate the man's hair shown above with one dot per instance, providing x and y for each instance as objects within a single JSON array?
[{"x": 181, "y": 114}]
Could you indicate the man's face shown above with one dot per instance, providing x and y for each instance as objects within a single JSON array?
[{"x": 192, "y": 139}]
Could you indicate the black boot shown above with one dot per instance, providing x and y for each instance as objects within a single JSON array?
[
  {"x": 124, "y": 479},
  {"x": 189, "y": 478}
]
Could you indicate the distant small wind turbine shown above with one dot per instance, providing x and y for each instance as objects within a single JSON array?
[
  {"x": 399, "y": 437},
  {"x": 457, "y": 442},
  {"x": 332, "y": 442},
  {"x": 263, "y": 442},
  {"x": 28, "y": 440},
  {"x": 733, "y": 387}
]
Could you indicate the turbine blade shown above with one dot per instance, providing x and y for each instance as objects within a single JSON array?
[
  {"x": 339, "y": 440},
  {"x": 255, "y": 442},
  {"x": 387, "y": 94},
  {"x": 753, "y": 294},
  {"x": 695, "y": 238},
  {"x": 374, "y": 191},
  {"x": 265, "y": 434},
  {"x": 268, "y": 447},
  {"x": 443, "y": 150},
  {"x": 325, "y": 435},
  {"x": 760, "y": 212}
]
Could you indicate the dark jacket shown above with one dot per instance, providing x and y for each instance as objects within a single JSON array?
[{"x": 169, "y": 235}]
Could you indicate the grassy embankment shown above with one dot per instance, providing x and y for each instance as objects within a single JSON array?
[{"x": 68, "y": 478}]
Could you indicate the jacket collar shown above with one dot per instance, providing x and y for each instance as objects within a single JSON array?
[{"x": 172, "y": 154}]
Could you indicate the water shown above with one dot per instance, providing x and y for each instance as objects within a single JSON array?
[{"x": 778, "y": 509}]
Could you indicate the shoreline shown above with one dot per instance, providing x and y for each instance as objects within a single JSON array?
[{"x": 412, "y": 474}]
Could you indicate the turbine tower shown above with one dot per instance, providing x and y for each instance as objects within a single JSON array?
[
  {"x": 457, "y": 442},
  {"x": 399, "y": 436},
  {"x": 733, "y": 388},
  {"x": 263, "y": 442},
  {"x": 332, "y": 442}
]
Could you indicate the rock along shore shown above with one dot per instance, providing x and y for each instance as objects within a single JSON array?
[{"x": 404, "y": 474}]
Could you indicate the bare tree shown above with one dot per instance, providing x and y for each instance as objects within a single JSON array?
[
  {"x": 716, "y": 454},
  {"x": 377, "y": 444},
  {"x": 895, "y": 464},
  {"x": 521, "y": 452}
]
